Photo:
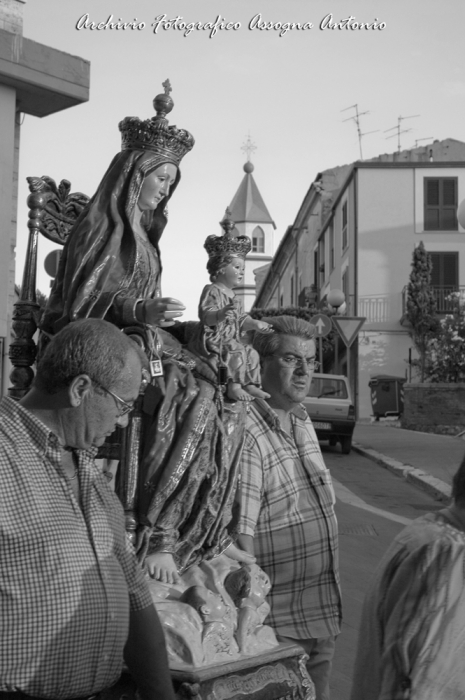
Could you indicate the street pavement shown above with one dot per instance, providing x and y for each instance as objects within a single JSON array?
[
  {"x": 425, "y": 459},
  {"x": 372, "y": 506}
]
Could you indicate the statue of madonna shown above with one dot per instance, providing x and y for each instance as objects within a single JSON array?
[{"x": 189, "y": 444}]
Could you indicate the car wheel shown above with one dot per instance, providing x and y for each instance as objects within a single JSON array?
[{"x": 346, "y": 444}]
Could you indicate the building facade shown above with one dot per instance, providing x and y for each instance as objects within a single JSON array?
[
  {"x": 36, "y": 80},
  {"x": 356, "y": 230}
]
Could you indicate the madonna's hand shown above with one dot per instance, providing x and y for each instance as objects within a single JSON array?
[{"x": 160, "y": 311}]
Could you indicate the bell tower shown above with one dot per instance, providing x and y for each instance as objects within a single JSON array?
[{"x": 252, "y": 219}]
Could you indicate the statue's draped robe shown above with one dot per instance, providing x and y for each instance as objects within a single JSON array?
[{"x": 190, "y": 449}]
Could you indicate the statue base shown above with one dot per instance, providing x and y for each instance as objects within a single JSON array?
[{"x": 278, "y": 674}]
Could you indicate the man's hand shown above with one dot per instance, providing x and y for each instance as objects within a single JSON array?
[{"x": 237, "y": 554}]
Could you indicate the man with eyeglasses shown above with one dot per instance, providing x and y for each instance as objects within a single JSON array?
[
  {"x": 286, "y": 500},
  {"x": 74, "y": 602}
]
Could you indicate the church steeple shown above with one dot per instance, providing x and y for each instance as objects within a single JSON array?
[
  {"x": 252, "y": 218},
  {"x": 247, "y": 205}
]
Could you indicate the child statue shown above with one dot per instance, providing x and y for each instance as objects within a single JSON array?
[{"x": 221, "y": 317}]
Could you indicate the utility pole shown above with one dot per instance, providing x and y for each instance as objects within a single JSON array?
[
  {"x": 356, "y": 119},
  {"x": 399, "y": 130}
]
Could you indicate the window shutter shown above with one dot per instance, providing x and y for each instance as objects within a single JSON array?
[
  {"x": 432, "y": 208},
  {"x": 449, "y": 192},
  {"x": 445, "y": 271},
  {"x": 450, "y": 269},
  {"x": 449, "y": 204},
  {"x": 432, "y": 192}
]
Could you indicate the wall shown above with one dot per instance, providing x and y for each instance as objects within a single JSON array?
[
  {"x": 8, "y": 201},
  {"x": 434, "y": 408},
  {"x": 386, "y": 239}
]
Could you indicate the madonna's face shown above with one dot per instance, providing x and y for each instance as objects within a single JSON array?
[{"x": 156, "y": 186}]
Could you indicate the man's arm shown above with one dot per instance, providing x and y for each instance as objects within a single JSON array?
[{"x": 145, "y": 655}]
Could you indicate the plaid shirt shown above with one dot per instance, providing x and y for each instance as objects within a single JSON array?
[
  {"x": 286, "y": 504},
  {"x": 412, "y": 632},
  {"x": 68, "y": 577}
]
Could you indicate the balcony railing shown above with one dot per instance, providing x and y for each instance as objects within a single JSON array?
[{"x": 444, "y": 303}]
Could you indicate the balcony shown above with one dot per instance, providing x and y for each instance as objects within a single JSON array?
[
  {"x": 308, "y": 296},
  {"x": 444, "y": 303}
]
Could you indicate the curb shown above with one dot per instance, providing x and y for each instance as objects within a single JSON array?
[{"x": 436, "y": 487}]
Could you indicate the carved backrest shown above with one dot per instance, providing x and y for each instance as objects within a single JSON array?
[{"x": 52, "y": 212}]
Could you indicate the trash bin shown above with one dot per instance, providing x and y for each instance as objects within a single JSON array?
[{"x": 387, "y": 395}]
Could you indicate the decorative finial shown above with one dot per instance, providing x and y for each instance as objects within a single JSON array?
[
  {"x": 163, "y": 103},
  {"x": 248, "y": 147},
  {"x": 227, "y": 224}
]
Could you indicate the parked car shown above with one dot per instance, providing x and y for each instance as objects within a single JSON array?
[{"x": 330, "y": 407}]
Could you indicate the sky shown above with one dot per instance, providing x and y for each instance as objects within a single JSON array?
[{"x": 290, "y": 91}]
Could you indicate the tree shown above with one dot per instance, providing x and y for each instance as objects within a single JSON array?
[
  {"x": 421, "y": 305},
  {"x": 446, "y": 352}
]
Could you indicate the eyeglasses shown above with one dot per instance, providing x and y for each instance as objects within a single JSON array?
[
  {"x": 294, "y": 361},
  {"x": 123, "y": 407}
]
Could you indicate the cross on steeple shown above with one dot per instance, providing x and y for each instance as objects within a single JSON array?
[{"x": 248, "y": 147}]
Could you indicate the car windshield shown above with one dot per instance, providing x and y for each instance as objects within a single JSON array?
[{"x": 328, "y": 388}]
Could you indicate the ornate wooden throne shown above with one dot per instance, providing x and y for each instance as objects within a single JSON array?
[{"x": 52, "y": 212}]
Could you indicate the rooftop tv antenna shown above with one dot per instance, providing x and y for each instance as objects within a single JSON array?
[
  {"x": 399, "y": 130},
  {"x": 356, "y": 119},
  {"x": 426, "y": 138}
]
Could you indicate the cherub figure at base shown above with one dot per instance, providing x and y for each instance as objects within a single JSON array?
[
  {"x": 222, "y": 320},
  {"x": 218, "y": 635},
  {"x": 248, "y": 588}
]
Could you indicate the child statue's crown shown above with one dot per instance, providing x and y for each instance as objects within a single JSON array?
[
  {"x": 155, "y": 134},
  {"x": 227, "y": 244}
]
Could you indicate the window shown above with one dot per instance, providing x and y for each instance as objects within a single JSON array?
[
  {"x": 345, "y": 284},
  {"x": 445, "y": 270},
  {"x": 315, "y": 268},
  {"x": 331, "y": 247},
  {"x": 258, "y": 240},
  {"x": 292, "y": 290},
  {"x": 440, "y": 198},
  {"x": 281, "y": 301},
  {"x": 321, "y": 260},
  {"x": 444, "y": 279},
  {"x": 345, "y": 237}
]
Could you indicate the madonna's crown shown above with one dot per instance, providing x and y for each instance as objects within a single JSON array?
[
  {"x": 227, "y": 244},
  {"x": 155, "y": 134}
]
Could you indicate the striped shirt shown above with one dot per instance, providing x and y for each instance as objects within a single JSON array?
[
  {"x": 412, "y": 634},
  {"x": 286, "y": 504},
  {"x": 68, "y": 577}
]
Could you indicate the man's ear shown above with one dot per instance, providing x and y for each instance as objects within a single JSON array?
[{"x": 78, "y": 389}]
